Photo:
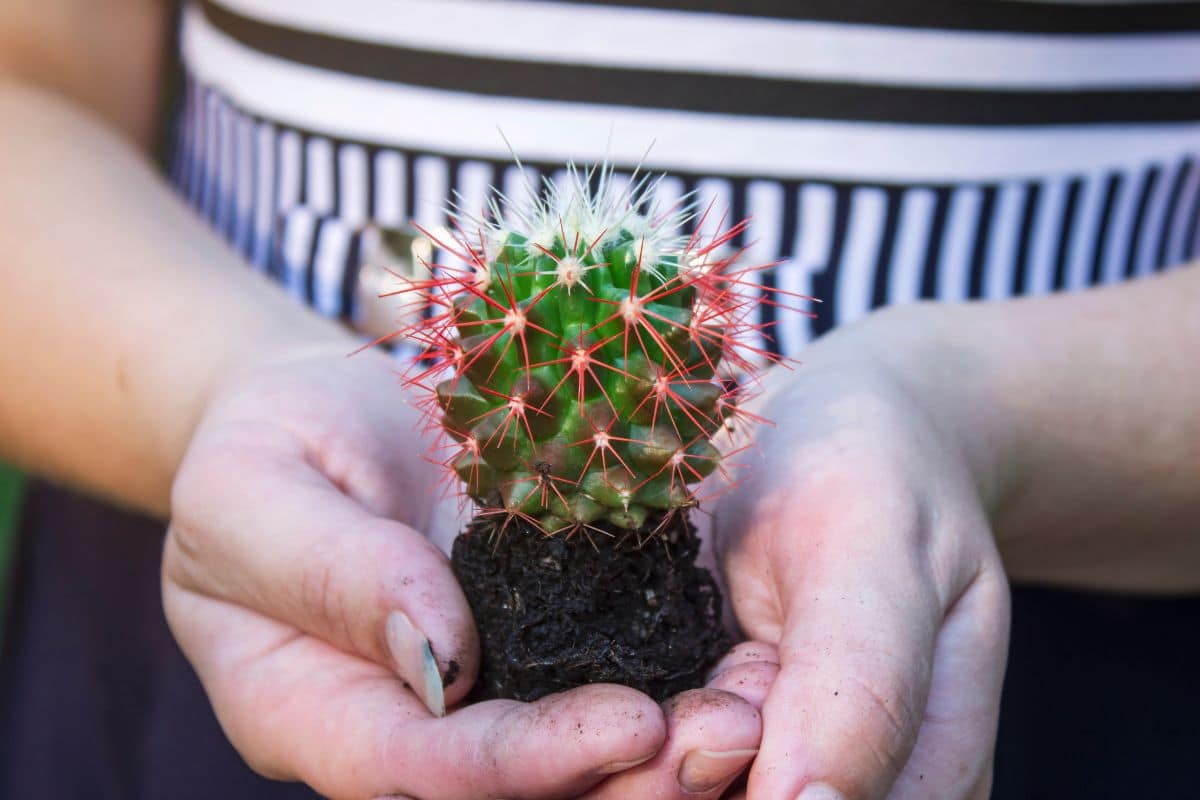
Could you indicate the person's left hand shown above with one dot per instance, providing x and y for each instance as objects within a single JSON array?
[{"x": 287, "y": 555}]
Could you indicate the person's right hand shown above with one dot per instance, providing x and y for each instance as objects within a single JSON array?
[
  {"x": 299, "y": 597},
  {"x": 858, "y": 552}
]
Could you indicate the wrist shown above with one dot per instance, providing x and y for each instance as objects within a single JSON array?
[
  {"x": 946, "y": 359},
  {"x": 177, "y": 376}
]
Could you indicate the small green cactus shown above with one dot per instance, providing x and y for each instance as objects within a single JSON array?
[{"x": 583, "y": 355}]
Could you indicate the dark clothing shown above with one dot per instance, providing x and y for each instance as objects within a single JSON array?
[{"x": 96, "y": 700}]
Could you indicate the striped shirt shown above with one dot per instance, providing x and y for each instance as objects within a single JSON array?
[{"x": 884, "y": 151}]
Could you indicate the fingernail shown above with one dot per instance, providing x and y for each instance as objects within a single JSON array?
[
  {"x": 705, "y": 770},
  {"x": 819, "y": 791},
  {"x": 415, "y": 662},
  {"x": 613, "y": 767}
]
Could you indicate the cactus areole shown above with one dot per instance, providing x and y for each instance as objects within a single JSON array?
[{"x": 583, "y": 360}]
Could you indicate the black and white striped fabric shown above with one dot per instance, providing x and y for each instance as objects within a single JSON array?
[{"x": 885, "y": 151}]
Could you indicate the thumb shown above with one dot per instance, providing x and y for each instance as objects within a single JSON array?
[
  {"x": 257, "y": 525},
  {"x": 860, "y": 628}
]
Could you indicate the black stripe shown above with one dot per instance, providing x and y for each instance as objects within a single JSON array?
[
  {"x": 212, "y": 160},
  {"x": 1191, "y": 242},
  {"x": 1164, "y": 235},
  {"x": 370, "y": 153},
  {"x": 1066, "y": 230},
  {"x": 887, "y": 246},
  {"x": 721, "y": 94},
  {"x": 335, "y": 176},
  {"x": 410, "y": 184},
  {"x": 933, "y": 243},
  {"x": 350, "y": 276},
  {"x": 229, "y": 205},
  {"x": 787, "y": 250},
  {"x": 1033, "y": 196},
  {"x": 310, "y": 262},
  {"x": 274, "y": 259},
  {"x": 972, "y": 15},
  {"x": 983, "y": 236},
  {"x": 1103, "y": 229},
  {"x": 825, "y": 282},
  {"x": 1135, "y": 237}
]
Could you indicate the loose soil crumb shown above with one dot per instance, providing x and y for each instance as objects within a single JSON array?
[{"x": 554, "y": 612}]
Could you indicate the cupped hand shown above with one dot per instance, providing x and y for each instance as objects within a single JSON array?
[
  {"x": 858, "y": 545},
  {"x": 332, "y": 637}
]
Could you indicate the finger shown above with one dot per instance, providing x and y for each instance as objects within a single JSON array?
[
  {"x": 743, "y": 653},
  {"x": 712, "y": 735},
  {"x": 299, "y": 709},
  {"x": 751, "y": 681},
  {"x": 860, "y": 623},
  {"x": 276, "y": 536},
  {"x": 953, "y": 754}
]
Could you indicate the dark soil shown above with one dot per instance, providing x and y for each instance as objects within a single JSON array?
[{"x": 556, "y": 612}]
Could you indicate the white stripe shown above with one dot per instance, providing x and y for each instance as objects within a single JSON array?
[
  {"x": 352, "y": 184},
  {"x": 764, "y": 209},
  {"x": 224, "y": 200},
  {"x": 245, "y": 185},
  {"x": 1121, "y": 226},
  {"x": 195, "y": 165},
  {"x": 1179, "y": 225},
  {"x": 212, "y": 164},
  {"x": 775, "y": 48},
  {"x": 432, "y": 183},
  {"x": 264, "y": 201},
  {"x": 908, "y": 257},
  {"x": 318, "y": 174},
  {"x": 1039, "y": 275},
  {"x": 668, "y": 193},
  {"x": 390, "y": 180},
  {"x": 814, "y": 241},
  {"x": 954, "y": 269},
  {"x": 856, "y": 273},
  {"x": 298, "y": 225},
  {"x": 1152, "y": 222},
  {"x": 290, "y": 156},
  {"x": 374, "y": 111},
  {"x": 329, "y": 264},
  {"x": 1085, "y": 232},
  {"x": 474, "y": 179},
  {"x": 714, "y": 198},
  {"x": 1002, "y": 247},
  {"x": 520, "y": 187}
]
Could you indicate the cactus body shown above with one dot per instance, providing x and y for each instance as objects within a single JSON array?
[{"x": 579, "y": 357}]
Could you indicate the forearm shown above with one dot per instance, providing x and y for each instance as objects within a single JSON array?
[
  {"x": 1078, "y": 414},
  {"x": 120, "y": 310}
]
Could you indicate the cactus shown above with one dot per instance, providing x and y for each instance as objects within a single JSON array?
[{"x": 582, "y": 355}]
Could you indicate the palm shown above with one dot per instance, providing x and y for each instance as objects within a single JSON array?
[
  {"x": 863, "y": 556},
  {"x": 291, "y": 545}
]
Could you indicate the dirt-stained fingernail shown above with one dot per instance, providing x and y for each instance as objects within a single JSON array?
[
  {"x": 819, "y": 791},
  {"x": 704, "y": 770},
  {"x": 414, "y": 661},
  {"x": 613, "y": 767}
]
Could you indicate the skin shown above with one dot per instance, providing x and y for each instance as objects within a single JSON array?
[
  {"x": 200, "y": 389},
  {"x": 918, "y": 458}
]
